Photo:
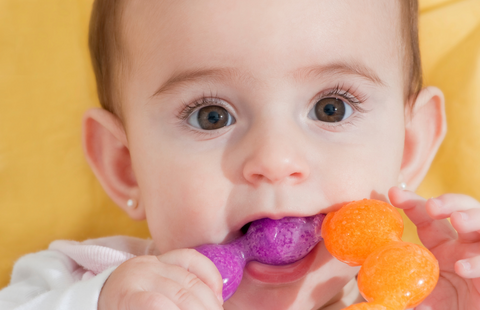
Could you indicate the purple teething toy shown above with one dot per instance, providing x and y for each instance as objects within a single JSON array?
[{"x": 273, "y": 242}]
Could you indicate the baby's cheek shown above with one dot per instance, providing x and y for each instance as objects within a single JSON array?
[
  {"x": 188, "y": 208},
  {"x": 357, "y": 169},
  {"x": 356, "y": 180}
]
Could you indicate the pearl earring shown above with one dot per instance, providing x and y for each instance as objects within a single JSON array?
[
  {"x": 403, "y": 186},
  {"x": 131, "y": 203}
]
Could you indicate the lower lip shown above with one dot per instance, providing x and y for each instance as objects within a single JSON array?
[{"x": 281, "y": 274}]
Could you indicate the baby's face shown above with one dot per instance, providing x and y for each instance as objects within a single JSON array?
[{"x": 240, "y": 110}]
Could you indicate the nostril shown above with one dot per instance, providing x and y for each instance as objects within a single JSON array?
[
  {"x": 245, "y": 227},
  {"x": 257, "y": 177},
  {"x": 296, "y": 175}
]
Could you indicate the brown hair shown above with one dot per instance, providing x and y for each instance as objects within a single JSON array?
[
  {"x": 109, "y": 61},
  {"x": 106, "y": 52},
  {"x": 411, "y": 50}
]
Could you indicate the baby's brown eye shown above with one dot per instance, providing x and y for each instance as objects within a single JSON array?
[
  {"x": 211, "y": 118},
  {"x": 331, "y": 110}
]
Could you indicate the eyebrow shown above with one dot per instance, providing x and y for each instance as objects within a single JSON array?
[
  {"x": 340, "y": 68},
  {"x": 209, "y": 75},
  {"x": 302, "y": 74}
]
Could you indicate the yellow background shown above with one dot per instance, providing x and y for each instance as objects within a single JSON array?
[{"x": 47, "y": 191}]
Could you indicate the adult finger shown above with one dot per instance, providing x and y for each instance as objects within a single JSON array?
[
  {"x": 198, "y": 264},
  {"x": 430, "y": 231}
]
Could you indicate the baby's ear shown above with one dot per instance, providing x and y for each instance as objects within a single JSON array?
[
  {"x": 425, "y": 128},
  {"x": 106, "y": 147}
]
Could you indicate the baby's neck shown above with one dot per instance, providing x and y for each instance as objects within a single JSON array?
[{"x": 347, "y": 296}]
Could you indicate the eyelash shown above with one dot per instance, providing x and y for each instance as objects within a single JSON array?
[
  {"x": 204, "y": 101},
  {"x": 350, "y": 96}
]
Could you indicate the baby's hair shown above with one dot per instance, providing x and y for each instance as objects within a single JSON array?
[
  {"x": 411, "y": 51},
  {"x": 106, "y": 52},
  {"x": 109, "y": 56}
]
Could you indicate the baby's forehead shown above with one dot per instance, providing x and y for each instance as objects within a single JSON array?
[{"x": 266, "y": 37}]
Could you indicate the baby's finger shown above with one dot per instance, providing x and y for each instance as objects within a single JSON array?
[
  {"x": 468, "y": 268},
  {"x": 447, "y": 204},
  {"x": 467, "y": 224},
  {"x": 430, "y": 231},
  {"x": 196, "y": 263},
  {"x": 148, "y": 301},
  {"x": 193, "y": 284},
  {"x": 183, "y": 298}
]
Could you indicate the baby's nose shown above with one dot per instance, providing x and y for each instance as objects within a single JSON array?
[
  {"x": 275, "y": 170},
  {"x": 276, "y": 161}
]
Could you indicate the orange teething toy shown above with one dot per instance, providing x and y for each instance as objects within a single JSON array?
[{"x": 395, "y": 275}]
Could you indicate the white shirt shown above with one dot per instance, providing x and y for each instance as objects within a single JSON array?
[{"x": 69, "y": 275}]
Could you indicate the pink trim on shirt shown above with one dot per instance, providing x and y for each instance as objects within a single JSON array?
[{"x": 97, "y": 255}]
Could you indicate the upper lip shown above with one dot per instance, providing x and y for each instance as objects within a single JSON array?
[{"x": 236, "y": 232}]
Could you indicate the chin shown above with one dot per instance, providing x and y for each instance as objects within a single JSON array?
[
  {"x": 305, "y": 285},
  {"x": 274, "y": 299}
]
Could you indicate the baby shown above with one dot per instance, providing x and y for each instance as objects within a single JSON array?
[{"x": 218, "y": 113}]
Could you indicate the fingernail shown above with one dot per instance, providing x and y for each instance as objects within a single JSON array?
[
  {"x": 466, "y": 265},
  {"x": 464, "y": 216},
  {"x": 220, "y": 298}
]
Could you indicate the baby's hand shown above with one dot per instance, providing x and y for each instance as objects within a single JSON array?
[
  {"x": 455, "y": 245},
  {"x": 180, "y": 279}
]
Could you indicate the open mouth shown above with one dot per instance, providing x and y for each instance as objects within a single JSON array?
[
  {"x": 245, "y": 227},
  {"x": 285, "y": 249},
  {"x": 271, "y": 251}
]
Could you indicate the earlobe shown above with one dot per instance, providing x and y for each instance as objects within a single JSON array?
[
  {"x": 106, "y": 148},
  {"x": 425, "y": 128}
]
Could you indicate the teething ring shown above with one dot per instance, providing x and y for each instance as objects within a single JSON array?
[{"x": 395, "y": 275}]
